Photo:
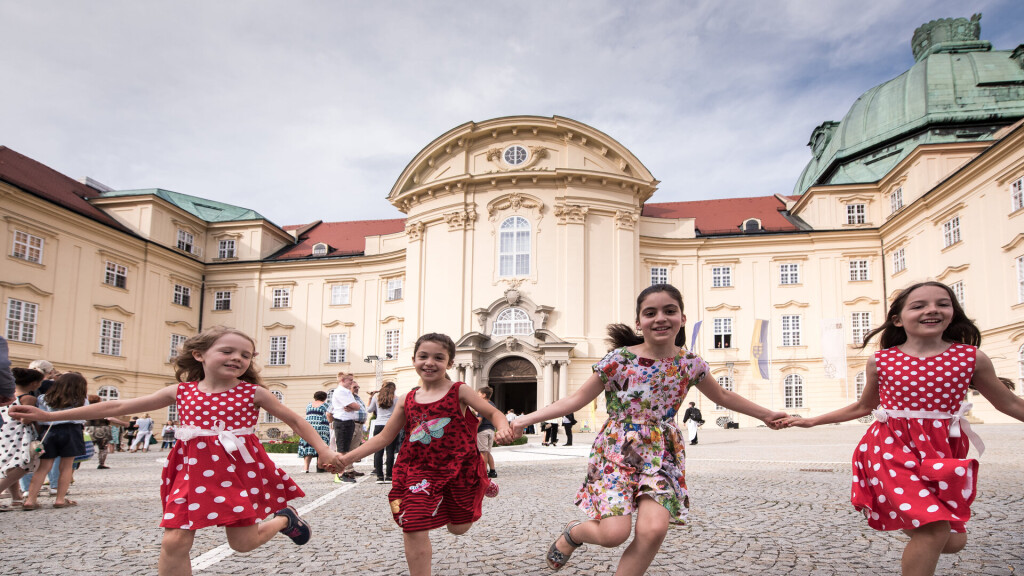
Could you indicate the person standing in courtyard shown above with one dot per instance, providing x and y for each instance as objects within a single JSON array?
[
  {"x": 910, "y": 470},
  {"x": 568, "y": 421},
  {"x": 143, "y": 433},
  {"x": 693, "y": 419},
  {"x": 16, "y": 437},
  {"x": 383, "y": 406},
  {"x": 485, "y": 434},
  {"x": 316, "y": 416},
  {"x": 343, "y": 416},
  {"x": 637, "y": 464}
]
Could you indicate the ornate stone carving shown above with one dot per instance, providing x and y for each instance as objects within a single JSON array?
[
  {"x": 536, "y": 154},
  {"x": 625, "y": 219},
  {"x": 461, "y": 219},
  {"x": 515, "y": 201},
  {"x": 512, "y": 296},
  {"x": 414, "y": 230},
  {"x": 570, "y": 213},
  {"x": 948, "y": 35}
]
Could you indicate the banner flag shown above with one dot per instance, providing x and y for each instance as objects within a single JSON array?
[
  {"x": 759, "y": 360},
  {"x": 693, "y": 338},
  {"x": 833, "y": 348}
]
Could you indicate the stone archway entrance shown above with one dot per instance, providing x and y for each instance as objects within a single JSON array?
[{"x": 514, "y": 380}]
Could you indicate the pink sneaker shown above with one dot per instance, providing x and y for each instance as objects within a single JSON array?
[{"x": 492, "y": 489}]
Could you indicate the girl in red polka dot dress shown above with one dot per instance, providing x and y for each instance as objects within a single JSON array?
[
  {"x": 217, "y": 473},
  {"x": 910, "y": 470}
]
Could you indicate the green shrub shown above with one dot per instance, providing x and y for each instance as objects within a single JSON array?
[
  {"x": 281, "y": 447},
  {"x": 519, "y": 441}
]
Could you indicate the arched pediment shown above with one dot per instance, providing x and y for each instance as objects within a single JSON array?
[{"x": 549, "y": 149}]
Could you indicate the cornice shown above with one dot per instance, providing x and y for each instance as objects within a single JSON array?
[
  {"x": 278, "y": 325},
  {"x": 113, "y": 308},
  {"x": 181, "y": 323},
  {"x": 26, "y": 285},
  {"x": 722, "y": 306},
  {"x": 941, "y": 277}
]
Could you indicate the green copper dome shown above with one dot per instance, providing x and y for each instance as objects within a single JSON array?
[{"x": 958, "y": 90}]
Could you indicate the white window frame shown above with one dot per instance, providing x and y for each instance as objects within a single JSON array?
[
  {"x": 281, "y": 298},
  {"x": 27, "y": 247},
  {"x": 186, "y": 241},
  {"x": 860, "y": 270},
  {"x": 341, "y": 294},
  {"x": 394, "y": 289},
  {"x": 172, "y": 413},
  {"x": 727, "y": 383},
  {"x": 319, "y": 249},
  {"x": 176, "y": 341},
  {"x": 512, "y": 322},
  {"x": 111, "y": 337},
  {"x": 899, "y": 260},
  {"x": 860, "y": 381},
  {"x": 515, "y": 239},
  {"x": 896, "y": 200},
  {"x": 337, "y": 348},
  {"x": 860, "y": 325},
  {"x": 960, "y": 291},
  {"x": 116, "y": 275},
  {"x": 226, "y": 248},
  {"x": 721, "y": 276},
  {"x": 269, "y": 418},
  {"x": 278, "y": 351},
  {"x": 659, "y": 275},
  {"x": 789, "y": 274},
  {"x": 722, "y": 330},
  {"x": 1017, "y": 195},
  {"x": 793, "y": 391},
  {"x": 182, "y": 295},
  {"x": 107, "y": 393},
  {"x": 22, "y": 320},
  {"x": 791, "y": 331},
  {"x": 856, "y": 214},
  {"x": 391, "y": 343},
  {"x": 222, "y": 300},
  {"x": 951, "y": 231}
]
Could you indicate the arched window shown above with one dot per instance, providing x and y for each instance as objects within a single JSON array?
[
  {"x": 860, "y": 379},
  {"x": 513, "y": 321},
  {"x": 320, "y": 249},
  {"x": 751, "y": 225},
  {"x": 794, "y": 391},
  {"x": 726, "y": 383},
  {"x": 108, "y": 393},
  {"x": 269, "y": 418},
  {"x": 514, "y": 247}
]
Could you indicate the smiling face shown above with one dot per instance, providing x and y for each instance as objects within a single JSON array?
[
  {"x": 430, "y": 361},
  {"x": 227, "y": 359},
  {"x": 927, "y": 312},
  {"x": 660, "y": 318}
]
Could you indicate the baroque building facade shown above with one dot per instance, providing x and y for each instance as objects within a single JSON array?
[{"x": 522, "y": 237}]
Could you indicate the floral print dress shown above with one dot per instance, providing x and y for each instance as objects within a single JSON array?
[{"x": 639, "y": 450}]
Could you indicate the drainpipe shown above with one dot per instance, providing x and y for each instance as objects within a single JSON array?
[{"x": 202, "y": 298}]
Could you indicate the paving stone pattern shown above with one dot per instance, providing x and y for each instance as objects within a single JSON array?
[{"x": 763, "y": 503}]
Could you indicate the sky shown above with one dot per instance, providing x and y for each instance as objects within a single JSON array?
[{"x": 308, "y": 110}]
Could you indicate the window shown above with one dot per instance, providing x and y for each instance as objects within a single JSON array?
[
  {"x": 793, "y": 391},
  {"x": 116, "y": 275},
  {"x": 899, "y": 261},
  {"x": 895, "y": 202},
  {"x": 791, "y": 331},
  {"x": 721, "y": 276},
  {"x": 860, "y": 380},
  {"x": 789, "y": 274},
  {"x": 182, "y": 295},
  {"x": 278, "y": 351},
  {"x": 514, "y": 155},
  {"x": 320, "y": 249},
  {"x": 1017, "y": 194},
  {"x": 856, "y": 213},
  {"x": 108, "y": 393},
  {"x": 222, "y": 300},
  {"x": 226, "y": 249},
  {"x": 21, "y": 320},
  {"x": 110, "y": 337},
  {"x": 340, "y": 294},
  {"x": 282, "y": 298},
  {"x": 391, "y": 344},
  {"x": 513, "y": 321},
  {"x": 659, "y": 275},
  {"x": 951, "y": 232},
  {"x": 514, "y": 247},
  {"x": 860, "y": 325},
  {"x": 723, "y": 332},
  {"x": 751, "y": 225},
  {"x": 726, "y": 383},
  {"x": 269, "y": 418},
  {"x": 172, "y": 413},
  {"x": 186, "y": 241},
  {"x": 337, "y": 348},
  {"x": 1020, "y": 279},
  {"x": 176, "y": 341},
  {"x": 859, "y": 271},
  {"x": 960, "y": 292},
  {"x": 394, "y": 289},
  {"x": 28, "y": 247}
]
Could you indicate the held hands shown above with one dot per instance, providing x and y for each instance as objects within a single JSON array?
[
  {"x": 796, "y": 421},
  {"x": 508, "y": 435},
  {"x": 775, "y": 419},
  {"x": 332, "y": 462}
]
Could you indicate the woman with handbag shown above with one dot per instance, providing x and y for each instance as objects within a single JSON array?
[{"x": 16, "y": 456}]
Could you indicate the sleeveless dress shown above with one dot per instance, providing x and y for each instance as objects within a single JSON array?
[
  {"x": 639, "y": 450},
  {"x": 204, "y": 483},
  {"x": 910, "y": 470},
  {"x": 439, "y": 477},
  {"x": 315, "y": 415},
  {"x": 15, "y": 440}
]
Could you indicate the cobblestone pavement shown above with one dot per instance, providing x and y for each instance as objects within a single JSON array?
[{"x": 762, "y": 503}]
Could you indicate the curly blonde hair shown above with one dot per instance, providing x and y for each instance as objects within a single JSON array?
[{"x": 188, "y": 369}]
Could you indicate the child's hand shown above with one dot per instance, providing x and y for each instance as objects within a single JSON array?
[
  {"x": 796, "y": 421},
  {"x": 508, "y": 435},
  {"x": 774, "y": 420},
  {"x": 26, "y": 413}
]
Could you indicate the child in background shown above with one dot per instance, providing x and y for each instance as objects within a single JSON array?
[
  {"x": 218, "y": 473},
  {"x": 16, "y": 436},
  {"x": 64, "y": 436},
  {"x": 439, "y": 478},
  {"x": 910, "y": 470},
  {"x": 637, "y": 463}
]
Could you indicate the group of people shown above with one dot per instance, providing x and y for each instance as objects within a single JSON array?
[{"x": 911, "y": 470}]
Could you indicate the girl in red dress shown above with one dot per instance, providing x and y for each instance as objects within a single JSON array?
[
  {"x": 911, "y": 471},
  {"x": 217, "y": 473},
  {"x": 439, "y": 478}
]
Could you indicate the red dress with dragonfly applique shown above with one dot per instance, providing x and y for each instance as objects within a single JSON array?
[{"x": 439, "y": 477}]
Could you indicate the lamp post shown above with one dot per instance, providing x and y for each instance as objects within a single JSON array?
[{"x": 378, "y": 366}]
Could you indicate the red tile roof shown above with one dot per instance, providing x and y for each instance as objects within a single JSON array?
[
  {"x": 342, "y": 238},
  {"x": 726, "y": 216},
  {"x": 45, "y": 182}
]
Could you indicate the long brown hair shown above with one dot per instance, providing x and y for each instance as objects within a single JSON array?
[
  {"x": 960, "y": 328},
  {"x": 620, "y": 335},
  {"x": 68, "y": 391},
  {"x": 386, "y": 396},
  {"x": 188, "y": 369}
]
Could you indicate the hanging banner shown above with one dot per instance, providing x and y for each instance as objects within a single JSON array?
[
  {"x": 833, "y": 348},
  {"x": 759, "y": 354},
  {"x": 693, "y": 337}
]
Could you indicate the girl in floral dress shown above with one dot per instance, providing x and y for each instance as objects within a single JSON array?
[
  {"x": 217, "y": 473},
  {"x": 910, "y": 470},
  {"x": 637, "y": 464}
]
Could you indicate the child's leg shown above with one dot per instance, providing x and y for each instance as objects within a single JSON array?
[
  {"x": 418, "y": 553},
  {"x": 922, "y": 552},
  {"x": 10, "y": 482},
  {"x": 174, "y": 550},
  {"x": 651, "y": 527},
  {"x": 459, "y": 529},
  {"x": 608, "y": 533},
  {"x": 956, "y": 542},
  {"x": 64, "y": 479},
  {"x": 37, "y": 481},
  {"x": 249, "y": 538}
]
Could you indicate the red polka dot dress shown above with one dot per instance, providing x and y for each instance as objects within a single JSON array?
[
  {"x": 909, "y": 471},
  {"x": 204, "y": 484}
]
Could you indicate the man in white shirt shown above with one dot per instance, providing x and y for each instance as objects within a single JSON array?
[
  {"x": 143, "y": 435},
  {"x": 343, "y": 415}
]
